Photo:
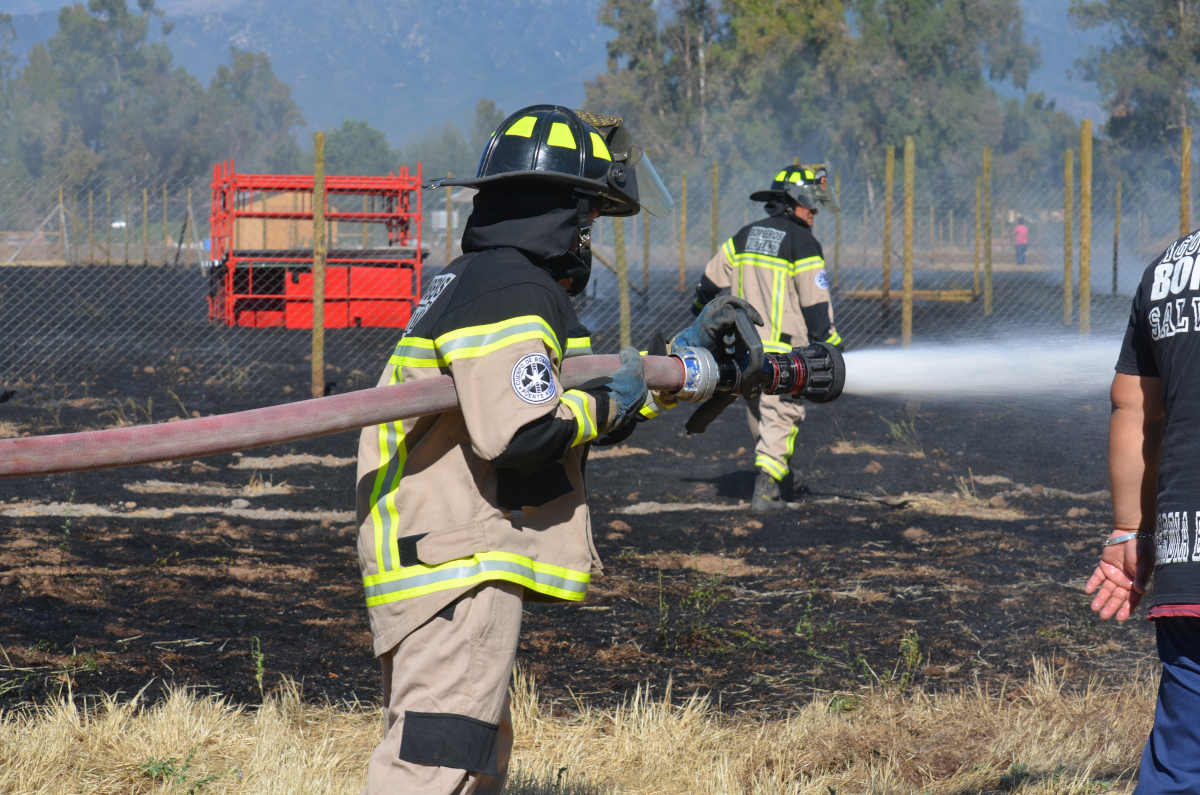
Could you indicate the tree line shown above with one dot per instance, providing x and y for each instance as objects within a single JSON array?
[
  {"x": 103, "y": 99},
  {"x": 753, "y": 82},
  {"x": 749, "y": 83}
]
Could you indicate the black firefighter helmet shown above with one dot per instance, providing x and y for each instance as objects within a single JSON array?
[
  {"x": 804, "y": 185},
  {"x": 591, "y": 153}
]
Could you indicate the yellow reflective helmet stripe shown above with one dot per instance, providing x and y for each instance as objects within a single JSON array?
[
  {"x": 599, "y": 148},
  {"x": 522, "y": 126},
  {"x": 412, "y": 581},
  {"x": 795, "y": 177},
  {"x": 809, "y": 175},
  {"x": 781, "y": 176},
  {"x": 577, "y": 401},
  {"x": 560, "y": 135}
]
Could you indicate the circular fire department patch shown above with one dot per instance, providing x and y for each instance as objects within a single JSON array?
[
  {"x": 532, "y": 379},
  {"x": 822, "y": 280}
]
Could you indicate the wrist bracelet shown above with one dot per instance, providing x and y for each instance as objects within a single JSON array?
[{"x": 1127, "y": 537}]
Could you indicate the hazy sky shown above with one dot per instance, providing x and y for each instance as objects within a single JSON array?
[{"x": 403, "y": 79}]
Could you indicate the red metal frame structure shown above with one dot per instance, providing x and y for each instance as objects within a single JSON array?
[{"x": 269, "y": 286}]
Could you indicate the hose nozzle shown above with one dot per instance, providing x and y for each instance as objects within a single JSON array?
[{"x": 815, "y": 372}]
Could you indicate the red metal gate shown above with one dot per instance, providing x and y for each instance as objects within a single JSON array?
[{"x": 260, "y": 273}]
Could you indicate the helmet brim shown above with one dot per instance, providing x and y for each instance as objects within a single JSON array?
[
  {"x": 767, "y": 195},
  {"x": 652, "y": 195}
]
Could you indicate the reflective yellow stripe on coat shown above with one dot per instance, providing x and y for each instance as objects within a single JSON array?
[{"x": 412, "y": 581}]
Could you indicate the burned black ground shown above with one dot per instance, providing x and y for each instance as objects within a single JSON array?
[{"x": 913, "y": 557}]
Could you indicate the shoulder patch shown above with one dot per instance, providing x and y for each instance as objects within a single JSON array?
[
  {"x": 436, "y": 287},
  {"x": 764, "y": 240},
  {"x": 822, "y": 280},
  {"x": 532, "y": 379}
]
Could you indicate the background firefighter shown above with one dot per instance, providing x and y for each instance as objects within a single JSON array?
[
  {"x": 778, "y": 266},
  {"x": 466, "y": 514}
]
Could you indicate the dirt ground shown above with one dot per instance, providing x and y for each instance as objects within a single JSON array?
[{"x": 941, "y": 544}]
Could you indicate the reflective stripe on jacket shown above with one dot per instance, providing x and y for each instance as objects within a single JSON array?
[
  {"x": 778, "y": 266},
  {"x": 438, "y": 511}
]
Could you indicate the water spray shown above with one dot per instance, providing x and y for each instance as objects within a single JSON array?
[{"x": 981, "y": 370}]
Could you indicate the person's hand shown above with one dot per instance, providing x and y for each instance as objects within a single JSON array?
[
  {"x": 626, "y": 391},
  {"x": 1121, "y": 576},
  {"x": 715, "y": 321}
]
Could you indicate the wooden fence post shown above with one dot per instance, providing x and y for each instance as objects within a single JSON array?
[
  {"x": 888, "y": 175},
  {"x": 837, "y": 239},
  {"x": 987, "y": 231},
  {"x": 909, "y": 182},
  {"x": 622, "y": 281},
  {"x": 682, "y": 232},
  {"x": 318, "y": 269},
  {"x": 978, "y": 227},
  {"x": 1116, "y": 236},
  {"x": 1185, "y": 182},
  {"x": 1068, "y": 242}
]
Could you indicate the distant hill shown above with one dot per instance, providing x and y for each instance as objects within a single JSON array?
[
  {"x": 403, "y": 65},
  {"x": 409, "y": 65}
]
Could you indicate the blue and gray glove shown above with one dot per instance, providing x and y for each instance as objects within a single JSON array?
[
  {"x": 714, "y": 322},
  {"x": 626, "y": 392}
]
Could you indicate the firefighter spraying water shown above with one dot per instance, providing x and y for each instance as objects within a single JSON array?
[{"x": 470, "y": 466}]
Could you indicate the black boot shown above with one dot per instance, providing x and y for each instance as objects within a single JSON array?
[{"x": 766, "y": 494}]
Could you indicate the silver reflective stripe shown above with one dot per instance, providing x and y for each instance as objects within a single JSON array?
[
  {"x": 404, "y": 350},
  {"x": 472, "y": 570},
  {"x": 391, "y": 482},
  {"x": 445, "y": 346}
]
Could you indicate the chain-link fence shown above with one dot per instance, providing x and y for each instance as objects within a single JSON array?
[{"x": 104, "y": 290}]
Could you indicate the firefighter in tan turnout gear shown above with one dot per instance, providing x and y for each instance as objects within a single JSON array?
[
  {"x": 778, "y": 266},
  {"x": 466, "y": 514}
]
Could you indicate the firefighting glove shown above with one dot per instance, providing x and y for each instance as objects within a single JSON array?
[
  {"x": 626, "y": 392},
  {"x": 715, "y": 321}
]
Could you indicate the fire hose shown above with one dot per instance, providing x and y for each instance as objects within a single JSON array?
[{"x": 692, "y": 375}]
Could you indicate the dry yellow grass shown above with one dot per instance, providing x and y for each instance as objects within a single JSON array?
[{"x": 878, "y": 742}]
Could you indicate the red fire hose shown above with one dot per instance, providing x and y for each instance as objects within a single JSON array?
[{"x": 225, "y": 433}]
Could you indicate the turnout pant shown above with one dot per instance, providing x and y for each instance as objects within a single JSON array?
[
  {"x": 774, "y": 423},
  {"x": 447, "y": 729},
  {"x": 1171, "y": 761}
]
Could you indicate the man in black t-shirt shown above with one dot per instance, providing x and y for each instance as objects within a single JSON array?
[{"x": 1154, "y": 471}]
